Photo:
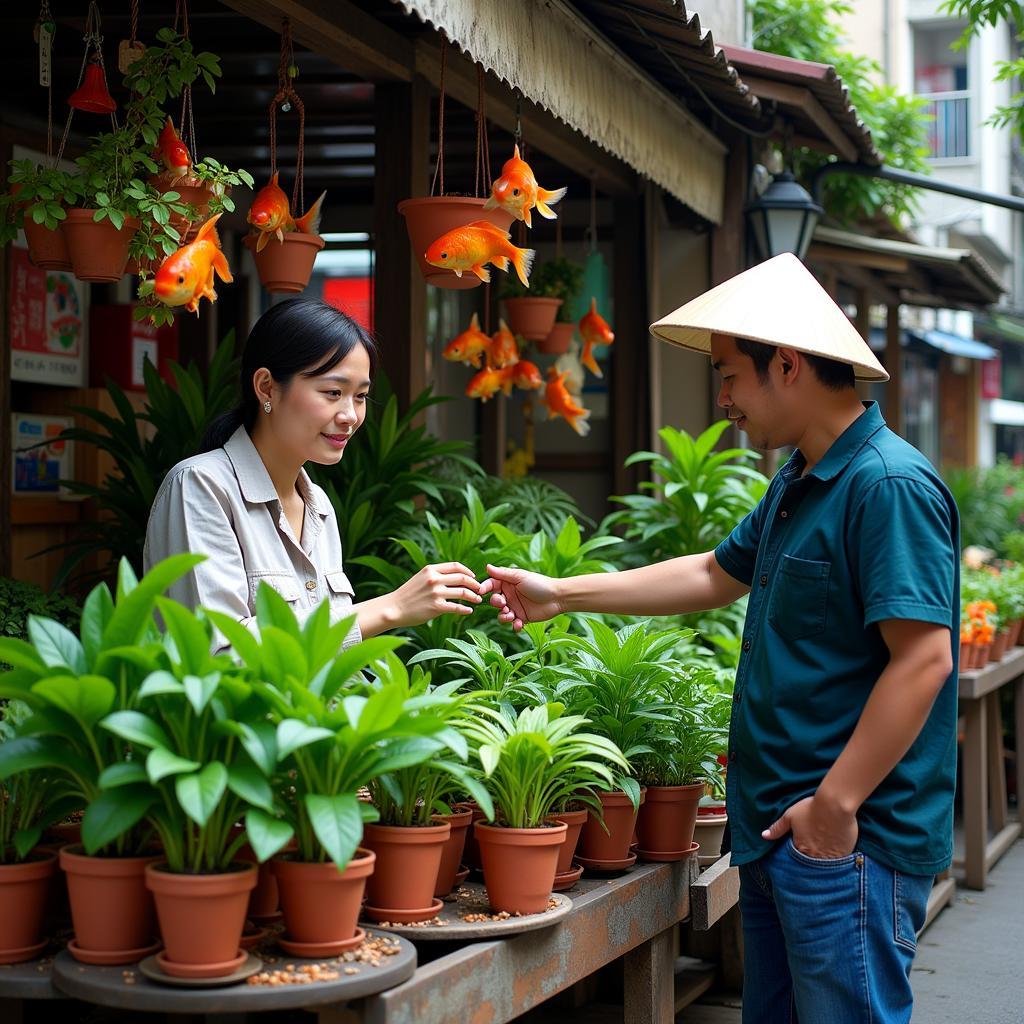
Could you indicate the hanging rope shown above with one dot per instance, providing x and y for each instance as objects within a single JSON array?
[
  {"x": 186, "y": 122},
  {"x": 483, "y": 152},
  {"x": 46, "y": 28},
  {"x": 134, "y": 21},
  {"x": 439, "y": 166},
  {"x": 286, "y": 94}
]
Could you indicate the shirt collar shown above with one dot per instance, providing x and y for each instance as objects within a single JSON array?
[
  {"x": 843, "y": 449},
  {"x": 253, "y": 478}
]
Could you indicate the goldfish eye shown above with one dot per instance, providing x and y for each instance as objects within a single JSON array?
[
  {"x": 515, "y": 191},
  {"x": 444, "y": 255},
  {"x": 181, "y": 279}
]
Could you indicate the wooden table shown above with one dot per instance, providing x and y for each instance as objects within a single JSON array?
[{"x": 983, "y": 782}]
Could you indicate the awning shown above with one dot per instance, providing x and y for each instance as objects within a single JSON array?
[
  {"x": 549, "y": 52},
  {"x": 937, "y": 341},
  {"x": 905, "y": 272},
  {"x": 809, "y": 96},
  {"x": 1004, "y": 327}
]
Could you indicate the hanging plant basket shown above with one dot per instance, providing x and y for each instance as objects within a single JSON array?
[
  {"x": 533, "y": 318},
  {"x": 558, "y": 340},
  {"x": 98, "y": 250},
  {"x": 47, "y": 249},
  {"x": 193, "y": 191},
  {"x": 285, "y": 266},
  {"x": 429, "y": 217}
]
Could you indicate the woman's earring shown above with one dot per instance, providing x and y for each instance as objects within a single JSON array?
[{"x": 266, "y": 407}]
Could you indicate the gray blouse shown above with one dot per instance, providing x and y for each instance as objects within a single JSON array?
[{"x": 223, "y": 504}]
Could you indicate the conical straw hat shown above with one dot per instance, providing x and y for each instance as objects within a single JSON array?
[{"x": 778, "y": 302}]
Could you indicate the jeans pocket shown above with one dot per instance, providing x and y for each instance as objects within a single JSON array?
[
  {"x": 819, "y": 862},
  {"x": 909, "y": 907}
]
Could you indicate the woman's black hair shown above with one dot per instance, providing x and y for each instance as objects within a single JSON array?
[{"x": 288, "y": 339}]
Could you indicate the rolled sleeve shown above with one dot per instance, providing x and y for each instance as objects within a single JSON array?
[{"x": 906, "y": 553}]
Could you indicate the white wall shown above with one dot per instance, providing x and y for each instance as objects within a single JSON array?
[{"x": 725, "y": 19}]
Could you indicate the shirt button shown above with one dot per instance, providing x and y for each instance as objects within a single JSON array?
[
  {"x": 764, "y": 580},
  {"x": 311, "y": 585},
  {"x": 784, "y": 514},
  {"x": 732, "y": 756},
  {"x": 737, "y": 697},
  {"x": 746, "y": 645}
]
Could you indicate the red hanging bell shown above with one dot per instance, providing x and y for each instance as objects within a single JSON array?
[{"x": 92, "y": 95}]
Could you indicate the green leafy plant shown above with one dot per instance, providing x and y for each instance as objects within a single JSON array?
[
  {"x": 38, "y": 193},
  {"x": 20, "y": 600},
  {"x": 220, "y": 179},
  {"x": 566, "y": 555},
  {"x": 697, "y": 498},
  {"x": 390, "y": 467},
  {"x": 555, "y": 278},
  {"x": 77, "y": 689},
  {"x": 142, "y": 456},
  {"x": 539, "y": 759}
]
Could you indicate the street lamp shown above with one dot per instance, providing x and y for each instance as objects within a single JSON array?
[{"x": 783, "y": 218}]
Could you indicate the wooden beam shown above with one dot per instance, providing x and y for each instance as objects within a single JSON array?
[
  {"x": 728, "y": 239},
  {"x": 540, "y": 128},
  {"x": 803, "y": 99},
  {"x": 825, "y": 253},
  {"x": 894, "y": 364},
  {"x": 338, "y": 29},
  {"x": 402, "y": 114},
  {"x": 715, "y": 892}
]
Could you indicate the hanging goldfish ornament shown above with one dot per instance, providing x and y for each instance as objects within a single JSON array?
[
  {"x": 517, "y": 192},
  {"x": 186, "y": 276},
  {"x": 560, "y": 403},
  {"x": 271, "y": 214},
  {"x": 469, "y": 347},
  {"x": 469, "y": 248},
  {"x": 504, "y": 350},
  {"x": 526, "y": 376},
  {"x": 594, "y": 330},
  {"x": 489, "y": 381},
  {"x": 172, "y": 151}
]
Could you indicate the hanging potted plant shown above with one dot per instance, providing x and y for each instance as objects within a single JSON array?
[
  {"x": 36, "y": 204},
  {"x": 75, "y": 683},
  {"x": 531, "y": 762},
  {"x": 681, "y": 765},
  {"x": 413, "y": 834},
  {"x": 530, "y": 311},
  {"x": 558, "y": 278}
]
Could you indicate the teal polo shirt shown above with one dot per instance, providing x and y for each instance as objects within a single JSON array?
[{"x": 870, "y": 533}]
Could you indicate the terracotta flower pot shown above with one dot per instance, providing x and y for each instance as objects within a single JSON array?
[
  {"x": 285, "y": 266},
  {"x": 665, "y": 823},
  {"x": 574, "y": 821},
  {"x": 98, "y": 250},
  {"x": 982, "y": 653},
  {"x": 1000, "y": 644},
  {"x": 191, "y": 190},
  {"x": 533, "y": 318},
  {"x": 519, "y": 865},
  {"x": 264, "y": 900},
  {"x": 620, "y": 820},
  {"x": 429, "y": 217},
  {"x": 558, "y": 340},
  {"x": 63, "y": 833},
  {"x": 454, "y": 847},
  {"x": 320, "y": 903},
  {"x": 201, "y": 917},
  {"x": 471, "y": 853},
  {"x": 111, "y": 909},
  {"x": 1015, "y": 630},
  {"x": 24, "y": 889},
  {"x": 709, "y": 832},
  {"x": 405, "y": 875},
  {"x": 46, "y": 249}
]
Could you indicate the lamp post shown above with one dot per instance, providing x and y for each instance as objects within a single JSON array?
[{"x": 783, "y": 218}]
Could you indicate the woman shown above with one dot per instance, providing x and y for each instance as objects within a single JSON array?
[{"x": 247, "y": 503}]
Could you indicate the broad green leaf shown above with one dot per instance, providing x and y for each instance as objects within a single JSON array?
[
  {"x": 161, "y": 762},
  {"x": 27, "y": 753},
  {"x": 96, "y": 613},
  {"x": 267, "y": 835},
  {"x": 292, "y": 735},
  {"x": 337, "y": 824},
  {"x": 86, "y": 698},
  {"x": 189, "y": 632},
  {"x": 112, "y": 814},
  {"x": 160, "y": 683},
  {"x": 123, "y": 774},
  {"x": 20, "y": 654},
  {"x": 199, "y": 690},
  {"x": 247, "y": 782},
  {"x": 56, "y": 644},
  {"x": 199, "y": 794},
  {"x": 135, "y": 727},
  {"x": 26, "y": 839}
]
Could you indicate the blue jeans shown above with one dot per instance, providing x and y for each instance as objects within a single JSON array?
[{"x": 828, "y": 941}]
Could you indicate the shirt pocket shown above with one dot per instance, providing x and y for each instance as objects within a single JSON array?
[
  {"x": 799, "y": 605},
  {"x": 339, "y": 586},
  {"x": 284, "y": 583}
]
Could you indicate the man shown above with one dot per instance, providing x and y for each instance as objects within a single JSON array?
[{"x": 842, "y": 748}]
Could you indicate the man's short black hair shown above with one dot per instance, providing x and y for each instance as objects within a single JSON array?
[{"x": 833, "y": 374}]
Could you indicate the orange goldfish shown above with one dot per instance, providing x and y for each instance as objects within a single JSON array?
[
  {"x": 469, "y": 346},
  {"x": 504, "y": 350},
  {"x": 517, "y": 192},
  {"x": 594, "y": 330},
  {"x": 472, "y": 246},
  {"x": 173, "y": 151},
  {"x": 186, "y": 276},
  {"x": 526, "y": 376},
  {"x": 489, "y": 381},
  {"x": 561, "y": 403},
  {"x": 270, "y": 214}
]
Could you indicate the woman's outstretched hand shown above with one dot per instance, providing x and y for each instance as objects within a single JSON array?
[
  {"x": 436, "y": 590},
  {"x": 522, "y": 596}
]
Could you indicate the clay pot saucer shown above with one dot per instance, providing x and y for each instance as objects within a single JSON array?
[
  {"x": 567, "y": 879},
  {"x": 381, "y": 914},
  {"x": 462, "y": 874},
  {"x": 667, "y": 855},
  {"x": 191, "y": 971},
  {"x": 17, "y": 956},
  {"x": 607, "y": 865},
  {"x": 109, "y": 958},
  {"x": 150, "y": 968},
  {"x": 315, "y": 950}
]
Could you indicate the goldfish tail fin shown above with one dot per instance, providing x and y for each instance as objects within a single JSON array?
[
  {"x": 550, "y": 196},
  {"x": 579, "y": 423},
  {"x": 309, "y": 222},
  {"x": 501, "y": 262},
  {"x": 482, "y": 272},
  {"x": 523, "y": 262},
  {"x": 591, "y": 364},
  {"x": 261, "y": 242}
]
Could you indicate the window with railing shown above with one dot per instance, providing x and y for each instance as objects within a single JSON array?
[{"x": 940, "y": 77}]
